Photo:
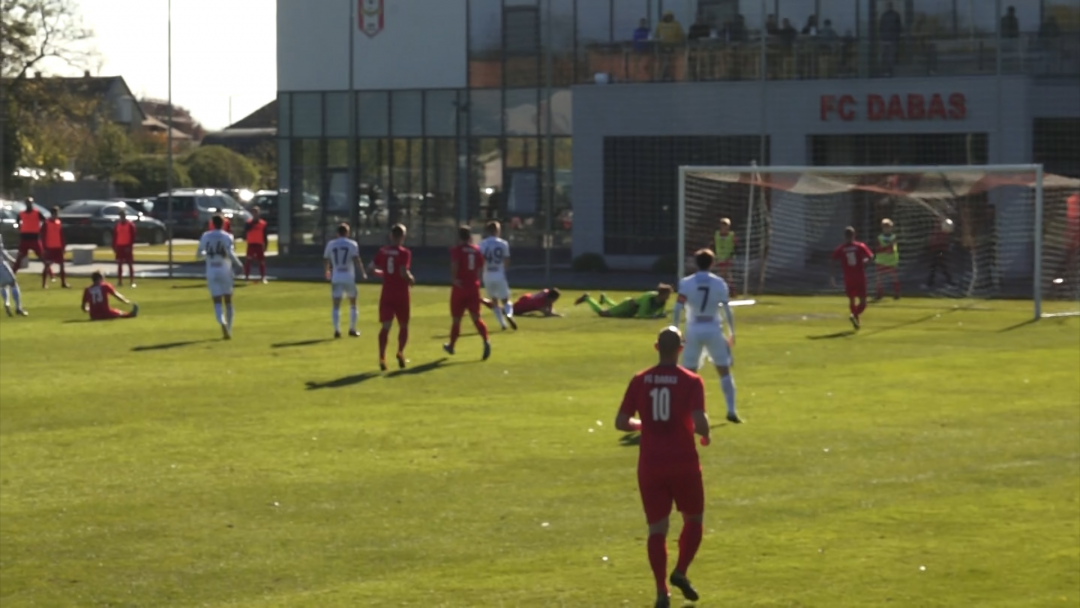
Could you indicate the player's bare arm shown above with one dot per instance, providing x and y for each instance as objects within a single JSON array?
[
  {"x": 360, "y": 266},
  {"x": 326, "y": 269},
  {"x": 626, "y": 424},
  {"x": 453, "y": 273}
]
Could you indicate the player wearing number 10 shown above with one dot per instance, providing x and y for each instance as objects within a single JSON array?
[
  {"x": 465, "y": 263},
  {"x": 853, "y": 256},
  {"x": 669, "y": 402},
  {"x": 704, "y": 295},
  {"x": 341, "y": 259},
  {"x": 217, "y": 246}
]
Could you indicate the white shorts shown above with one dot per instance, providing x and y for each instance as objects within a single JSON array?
[
  {"x": 220, "y": 284},
  {"x": 497, "y": 287},
  {"x": 707, "y": 337},
  {"x": 7, "y": 277},
  {"x": 343, "y": 289}
]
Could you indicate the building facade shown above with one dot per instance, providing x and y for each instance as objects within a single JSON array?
[{"x": 567, "y": 119}]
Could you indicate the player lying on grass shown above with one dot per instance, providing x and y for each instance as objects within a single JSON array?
[
  {"x": 669, "y": 403},
  {"x": 853, "y": 256},
  {"x": 649, "y": 305},
  {"x": 8, "y": 283},
  {"x": 340, "y": 261},
  {"x": 704, "y": 295},
  {"x": 541, "y": 302},
  {"x": 95, "y": 300}
]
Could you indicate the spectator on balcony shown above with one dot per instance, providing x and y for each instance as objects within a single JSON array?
[
  {"x": 700, "y": 29},
  {"x": 770, "y": 26},
  {"x": 669, "y": 30},
  {"x": 642, "y": 35},
  {"x": 788, "y": 34},
  {"x": 924, "y": 44},
  {"x": 827, "y": 33},
  {"x": 811, "y": 28},
  {"x": 1010, "y": 25},
  {"x": 736, "y": 32},
  {"x": 890, "y": 27},
  {"x": 1049, "y": 29}
]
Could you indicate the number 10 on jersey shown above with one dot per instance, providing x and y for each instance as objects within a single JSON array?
[{"x": 661, "y": 404}]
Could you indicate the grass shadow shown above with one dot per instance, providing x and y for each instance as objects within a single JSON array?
[
  {"x": 168, "y": 345},
  {"x": 198, "y": 286},
  {"x": 300, "y": 343},
  {"x": 419, "y": 369},
  {"x": 911, "y": 322},
  {"x": 77, "y": 320},
  {"x": 1017, "y": 326},
  {"x": 341, "y": 382},
  {"x": 839, "y": 334},
  {"x": 630, "y": 440}
]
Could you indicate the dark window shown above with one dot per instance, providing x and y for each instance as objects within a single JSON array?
[
  {"x": 905, "y": 149},
  {"x": 1056, "y": 144},
  {"x": 641, "y": 186}
]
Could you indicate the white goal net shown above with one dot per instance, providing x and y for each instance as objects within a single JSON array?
[{"x": 969, "y": 231}]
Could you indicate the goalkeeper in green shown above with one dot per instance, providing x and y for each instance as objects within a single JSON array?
[{"x": 649, "y": 305}]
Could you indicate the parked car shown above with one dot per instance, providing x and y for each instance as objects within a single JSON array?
[
  {"x": 144, "y": 206},
  {"x": 93, "y": 221},
  {"x": 267, "y": 203},
  {"x": 193, "y": 208},
  {"x": 9, "y": 220}
]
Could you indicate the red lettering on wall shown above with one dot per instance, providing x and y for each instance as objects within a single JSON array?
[
  {"x": 896, "y": 108},
  {"x": 875, "y": 107},
  {"x": 828, "y": 103},
  {"x": 957, "y": 106},
  {"x": 916, "y": 107},
  {"x": 846, "y": 111},
  {"x": 937, "y": 108}
]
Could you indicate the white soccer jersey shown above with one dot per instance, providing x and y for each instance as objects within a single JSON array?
[
  {"x": 341, "y": 252},
  {"x": 701, "y": 294},
  {"x": 217, "y": 246},
  {"x": 495, "y": 251},
  {"x": 7, "y": 275}
]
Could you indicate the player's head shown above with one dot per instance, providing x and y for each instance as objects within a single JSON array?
[
  {"x": 663, "y": 292},
  {"x": 217, "y": 221},
  {"x": 669, "y": 344},
  {"x": 343, "y": 230},
  {"x": 493, "y": 228},
  {"x": 55, "y": 212},
  {"x": 553, "y": 294},
  {"x": 29, "y": 203},
  {"x": 464, "y": 235},
  {"x": 849, "y": 234},
  {"x": 97, "y": 277},
  {"x": 725, "y": 225},
  {"x": 123, "y": 215},
  {"x": 886, "y": 226},
  {"x": 397, "y": 234},
  {"x": 255, "y": 213},
  {"x": 704, "y": 258}
]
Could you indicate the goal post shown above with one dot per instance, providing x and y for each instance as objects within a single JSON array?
[{"x": 969, "y": 231}]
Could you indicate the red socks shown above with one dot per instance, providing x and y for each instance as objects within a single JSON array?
[
  {"x": 384, "y": 337},
  {"x": 658, "y": 560},
  {"x": 482, "y": 328},
  {"x": 402, "y": 339},
  {"x": 247, "y": 269},
  {"x": 455, "y": 331},
  {"x": 689, "y": 541},
  {"x": 262, "y": 269}
]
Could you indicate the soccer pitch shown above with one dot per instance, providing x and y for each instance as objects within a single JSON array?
[{"x": 931, "y": 460}]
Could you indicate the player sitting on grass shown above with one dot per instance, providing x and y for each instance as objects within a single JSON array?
[
  {"x": 541, "y": 302},
  {"x": 704, "y": 294},
  {"x": 649, "y": 305},
  {"x": 8, "y": 282},
  {"x": 95, "y": 301},
  {"x": 853, "y": 256}
]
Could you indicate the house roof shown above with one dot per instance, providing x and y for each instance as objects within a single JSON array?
[
  {"x": 153, "y": 124},
  {"x": 265, "y": 117},
  {"x": 87, "y": 86}
]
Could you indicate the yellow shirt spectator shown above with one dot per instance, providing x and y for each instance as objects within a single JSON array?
[{"x": 669, "y": 31}]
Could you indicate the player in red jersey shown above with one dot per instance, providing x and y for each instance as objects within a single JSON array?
[
  {"x": 466, "y": 261},
  {"x": 257, "y": 242},
  {"x": 95, "y": 300},
  {"x": 853, "y": 256},
  {"x": 669, "y": 402},
  {"x": 541, "y": 302},
  {"x": 392, "y": 263},
  {"x": 124, "y": 248},
  {"x": 52, "y": 237}
]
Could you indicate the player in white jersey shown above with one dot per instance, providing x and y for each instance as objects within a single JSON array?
[
  {"x": 217, "y": 247},
  {"x": 8, "y": 282},
  {"x": 496, "y": 254},
  {"x": 341, "y": 259},
  {"x": 704, "y": 295}
]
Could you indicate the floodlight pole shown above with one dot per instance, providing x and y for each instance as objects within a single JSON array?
[
  {"x": 169, "y": 152},
  {"x": 549, "y": 198}
]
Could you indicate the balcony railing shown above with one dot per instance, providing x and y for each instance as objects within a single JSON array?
[{"x": 715, "y": 59}]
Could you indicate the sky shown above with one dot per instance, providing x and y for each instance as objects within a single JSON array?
[{"x": 221, "y": 49}]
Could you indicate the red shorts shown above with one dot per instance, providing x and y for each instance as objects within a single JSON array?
[
  {"x": 662, "y": 486},
  {"x": 256, "y": 251},
  {"x": 462, "y": 300},
  {"x": 28, "y": 245},
  {"x": 105, "y": 315},
  {"x": 855, "y": 289},
  {"x": 390, "y": 309},
  {"x": 54, "y": 255},
  {"x": 124, "y": 254}
]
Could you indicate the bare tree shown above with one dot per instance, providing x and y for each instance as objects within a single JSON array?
[{"x": 38, "y": 31}]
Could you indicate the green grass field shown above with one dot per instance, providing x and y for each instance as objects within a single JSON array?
[{"x": 931, "y": 460}]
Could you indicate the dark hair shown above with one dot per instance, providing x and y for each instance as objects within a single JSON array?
[
  {"x": 849, "y": 232},
  {"x": 56, "y": 210},
  {"x": 553, "y": 294},
  {"x": 492, "y": 227},
  {"x": 217, "y": 221},
  {"x": 669, "y": 341},
  {"x": 343, "y": 229},
  {"x": 97, "y": 277},
  {"x": 397, "y": 231},
  {"x": 704, "y": 258},
  {"x": 464, "y": 233}
]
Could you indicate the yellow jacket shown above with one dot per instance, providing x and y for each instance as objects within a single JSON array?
[{"x": 670, "y": 32}]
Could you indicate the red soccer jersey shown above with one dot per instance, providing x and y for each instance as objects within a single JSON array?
[
  {"x": 853, "y": 257},
  {"x": 97, "y": 296},
  {"x": 123, "y": 234},
  {"x": 391, "y": 261},
  {"x": 469, "y": 262},
  {"x": 664, "y": 397},
  {"x": 531, "y": 302}
]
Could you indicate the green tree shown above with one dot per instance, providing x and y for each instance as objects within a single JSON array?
[
  {"x": 150, "y": 172},
  {"x": 220, "y": 167},
  {"x": 106, "y": 152}
]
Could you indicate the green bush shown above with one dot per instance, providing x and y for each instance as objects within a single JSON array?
[
  {"x": 589, "y": 262},
  {"x": 666, "y": 264},
  {"x": 220, "y": 167},
  {"x": 149, "y": 173}
]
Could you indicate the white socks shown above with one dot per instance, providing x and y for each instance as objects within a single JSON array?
[
  {"x": 508, "y": 309},
  {"x": 727, "y": 384},
  {"x": 16, "y": 293},
  {"x": 228, "y": 315},
  {"x": 335, "y": 316},
  {"x": 354, "y": 314},
  {"x": 217, "y": 313},
  {"x": 499, "y": 316}
]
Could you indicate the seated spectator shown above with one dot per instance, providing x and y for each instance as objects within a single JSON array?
[
  {"x": 810, "y": 29},
  {"x": 1010, "y": 25},
  {"x": 699, "y": 30},
  {"x": 669, "y": 30},
  {"x": 827, "y": 31},
  {"x": 642, "y": 35},
  {"x": 788, "y": 34}
]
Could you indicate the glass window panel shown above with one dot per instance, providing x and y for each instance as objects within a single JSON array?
[
  {"x": 406, "y": 182},
  {"x": 337, "y": 114},
  {"x": 976, "y": 18},
  {"x": 485, "y": 43},
  {"x": 683, "y": 11},
  {"x": 373, "y": 114},
  {"x": 306, "y": 191},
  {"x": 797, "y": 12},
  {"x": 1027, "y": 14},
  {"x": 439, "y": 213},
  {"x": 283, "y": 108},
  {"x": 594, "y": 22},
  {"x": 521, "y": 112},
  {"x": 337, "y": 153},
  {"x": 485, "y": 112},
  {"x": 1064, "y": 16},
  {"x": 406, "y": 113},
  {"x": 522, "y": 152},
  {"x": 440, "y": 113},
  {"x": 307, "y": 114},
  {"x": 486, "y": 179},
  {"x": 562, "y": 42},
  {"x": 627, "y": 17},
  {"x": 374, "y": 166},
  {"x": 562, "y": 113},
  {"x": 932, "y": 19}
]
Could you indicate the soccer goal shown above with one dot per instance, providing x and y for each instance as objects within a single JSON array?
[{"x": 985, "y": 231}]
